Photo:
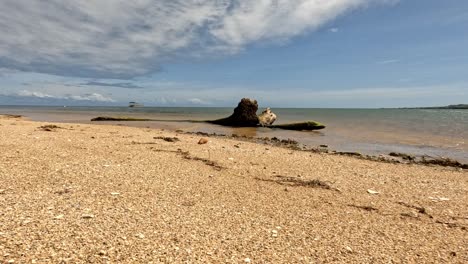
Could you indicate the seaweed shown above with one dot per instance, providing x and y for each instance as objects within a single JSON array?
[
  {"x": 296, "y": 182},
  {"x": 445, "y": 162},
  {"x": 168, "y": 139},
  {"x": 49, "y": 127},
  {"x": 402, "y": 155},
  {"x": 364, "y": 207}
]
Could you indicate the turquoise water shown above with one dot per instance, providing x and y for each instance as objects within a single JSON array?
[{"x": 440, "y": 133}]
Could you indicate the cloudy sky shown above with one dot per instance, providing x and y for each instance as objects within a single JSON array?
[{"x": 284, "y": 53}]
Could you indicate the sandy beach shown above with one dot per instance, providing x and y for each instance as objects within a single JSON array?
[{"x": 85, "y": 193}]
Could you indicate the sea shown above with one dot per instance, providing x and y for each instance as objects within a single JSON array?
[{"x": 421, "y": 132}]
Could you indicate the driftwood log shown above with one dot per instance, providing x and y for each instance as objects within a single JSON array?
[{"x": 245, "y": 115}]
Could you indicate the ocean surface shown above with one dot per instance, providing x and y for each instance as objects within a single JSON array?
[{"x": 431, "y": 132}]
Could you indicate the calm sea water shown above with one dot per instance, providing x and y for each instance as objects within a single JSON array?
[{"x": 438, "y": 133}]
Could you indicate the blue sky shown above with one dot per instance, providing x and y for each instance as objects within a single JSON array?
[{"x": 284, "y": 53}]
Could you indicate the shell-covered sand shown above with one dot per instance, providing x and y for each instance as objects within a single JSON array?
[{"x": 98, "y": 194}]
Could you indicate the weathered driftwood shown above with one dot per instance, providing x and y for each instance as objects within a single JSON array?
[
  {"x": 267, "y": 117},
  {"x": 301, "y": 126},
  {"x": 110, "y": 118},
  {"x": 245, "y": 115}
]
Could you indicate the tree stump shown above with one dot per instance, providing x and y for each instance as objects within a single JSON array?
[{"x": 245, "y": 115}]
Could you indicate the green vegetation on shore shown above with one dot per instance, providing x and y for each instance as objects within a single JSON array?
[{"x": 457, "y": 106}]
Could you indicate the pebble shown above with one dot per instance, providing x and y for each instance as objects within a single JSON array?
[
  {"x": 349, "y": 249},
  {"x": 203, "y": 141},
  {"x": 58, "y": 217},
  {"x": 274, "y": 233},
  {"x": 247, "y": 260},
  {"x": 372, "y": 191},
  {"x": 140, "y": 236},
  {"x": 87, "y": 216}
]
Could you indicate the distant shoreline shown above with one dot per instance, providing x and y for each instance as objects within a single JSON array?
[{"x": 458, "y": 106}]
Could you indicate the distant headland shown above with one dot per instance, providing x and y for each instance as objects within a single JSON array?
[{"x": 457, "y": 106}]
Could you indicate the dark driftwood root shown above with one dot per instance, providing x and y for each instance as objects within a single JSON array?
[{"x": 245, "y": 115}]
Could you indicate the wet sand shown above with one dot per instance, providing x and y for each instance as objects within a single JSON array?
[
  {"x": 99, "y": 193},
  {"x": 433, "y": 133}
]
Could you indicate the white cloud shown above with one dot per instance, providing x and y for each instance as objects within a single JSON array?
[
  {"x": 124, "y": 39},
  {"x": 334, "y": 30},
  {"x": 91, "y": 97},
  {"x": 26, "y": 93},
  {"x": 96, "y": 97},
  {"x": 384, "y": 62},
  {"x": 198, "y": 101}
]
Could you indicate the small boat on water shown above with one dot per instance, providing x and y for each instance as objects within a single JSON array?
[{"x": 134, "y": 104}]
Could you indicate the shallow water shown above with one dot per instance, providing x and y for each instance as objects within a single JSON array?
[{"x": 438, "y": 133}]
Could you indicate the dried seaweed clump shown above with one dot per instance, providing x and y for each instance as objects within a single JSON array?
[{"x": 49, "y": 127}]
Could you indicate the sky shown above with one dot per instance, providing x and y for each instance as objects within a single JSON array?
[{"x": 209, "y": 53}]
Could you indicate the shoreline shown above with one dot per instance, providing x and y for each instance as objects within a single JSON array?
[
  {"x": 390, "y": 157},
  {"x": 97, "y": 193},
  {"x": 440, "y": 138}
]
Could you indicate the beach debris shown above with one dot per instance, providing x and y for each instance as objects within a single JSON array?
[
  {"x": 372, "y": 191},
  {"x": 186, "y": 155},
  {"x": 402, "y": 155},
  {"x": 247, "y": 260},
  {"x": 87, "y": 216},
  {"x": 60, "y": 216},
  {"x": 109, "y": 118},
  {"x": 168, "y": 139},
  {"x": 364, "y": 207},
  {"x": 114, "y": 193},
  {"x": 355, "y": 154},
  {"x": 349, "y": 249},
  {"x": 439, "y": 199},
  {"x": 301, "y": 126},
  {"x": 49, "y": 127},
  {"x": 446, "y": 162},
  {"x": 245, "y": 115},
  {"x": 274, "y": 233},
  {"x": 298, "y": 182},
  {"x": 267, "y": 118},
  {"x": 420, "y": 209},
  {"x": 202, "y": 141}
]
